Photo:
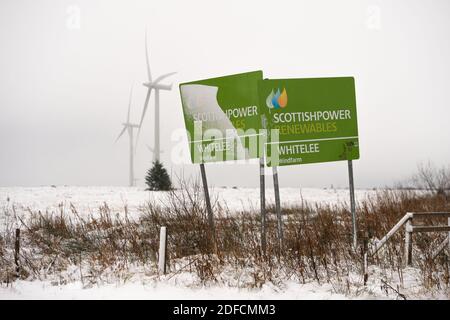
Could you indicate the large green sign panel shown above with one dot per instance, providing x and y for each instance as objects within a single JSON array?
[
  {"x": 222, "y": 117},
  {"x": 315, "y": 118}
]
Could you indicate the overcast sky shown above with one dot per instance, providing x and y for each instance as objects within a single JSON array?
[{"x": 66, "y": 68}]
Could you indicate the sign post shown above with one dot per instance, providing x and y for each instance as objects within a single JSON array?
[
  {"x": 223, "y": 124},
  {"x": 316, "y": 122},
  {"x": 278, "y": 206},
  {"x": 262, "y": 189},
  {"x": 276, "y": 190},
  {"x": 352, "y": 203},
  {"x": 208, "y": 205}
]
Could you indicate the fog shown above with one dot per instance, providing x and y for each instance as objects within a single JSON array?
[{"x": 66, "y": 68}]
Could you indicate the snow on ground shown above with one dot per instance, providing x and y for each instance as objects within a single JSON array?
[
  {"x": 162, "y": 291},
  {"x": 89, "y": 199},
  {"x": 142, "y": 286},
  {"x": 139, "y": 284},
  {"x": 182, "y": 286}
]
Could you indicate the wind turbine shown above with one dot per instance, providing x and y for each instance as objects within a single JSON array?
[
  {"x": 127, "y": 126},
  {"x": 156, "y": 85}
]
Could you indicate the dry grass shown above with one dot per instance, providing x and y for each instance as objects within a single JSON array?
[{"x": 317, "y": 244}]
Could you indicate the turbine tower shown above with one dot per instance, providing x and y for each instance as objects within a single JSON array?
[
  {"x": 156, "y": 85},
  {"x": 127, "y": 126}
]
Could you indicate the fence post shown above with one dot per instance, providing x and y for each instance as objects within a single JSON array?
[
  {"x": 408, "y": 242},
  {"x": 162, "y": 250}
]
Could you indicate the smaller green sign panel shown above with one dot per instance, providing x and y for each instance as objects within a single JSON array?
[
  {"x": 309, "y": 120},
  {"x": 222, "y": 118}
]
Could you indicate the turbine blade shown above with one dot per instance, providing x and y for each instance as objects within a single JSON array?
[
  {"x": 163, "y": 77},
  {"x": 129, "y": 104},
  {"x": 121, "y": 133},
  {"x": 147, "y": 98},
  {"x": 149, "y": 74}
]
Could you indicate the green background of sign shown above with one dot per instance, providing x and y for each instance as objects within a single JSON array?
[
  {"x": 234, "y": 91},
  {"x": 314, "y": 94}
]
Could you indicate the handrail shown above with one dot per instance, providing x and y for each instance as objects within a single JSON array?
[
  {"x": 430, "y": 228},
  {"x": 388, "y": 235},
  {"x": 407, "y": 218},
  {"x": 409, "y": 229},
  {"x": 433, "y": 214}
]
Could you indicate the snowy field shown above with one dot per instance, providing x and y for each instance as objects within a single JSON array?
[
  {"x": 163, "y": 291},
  {"x": 89, "y": 199},
  {"x": 180, "y": 287},
  {"x": 142, "y": 285}
]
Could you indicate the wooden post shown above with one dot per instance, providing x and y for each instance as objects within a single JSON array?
[
  {"x": 408, "y": 242},
  {"x": 278, "y": 206},
  {"x": 17, "y": 252},
  {"x": 448, "y": 237},
  {"x": 212, "y": 235},
  {"x": 366, "y": 267},
  {"x": 263, "y": 204},
  {"x": 352, "y": 203},
  {"x": 162, "y": 250}
]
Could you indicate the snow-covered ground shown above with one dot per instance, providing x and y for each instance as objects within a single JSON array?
[
  {"x": 88, "y": 199},
  {"x": 180, "y": 286},
  {"x": 162, "y": 291}
]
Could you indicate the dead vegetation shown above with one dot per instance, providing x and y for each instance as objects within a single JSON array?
[
  {"x": 317, "y": 241},
  {"x": 432, "y": 178}
]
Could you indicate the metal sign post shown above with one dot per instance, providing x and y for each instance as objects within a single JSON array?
[
  {"x": 214, "y": 109},
  {"x": 352, "y": 203},
  {"x": 278, "y": 206},
  {"x": 317, "y": 122},
  {"x": 263, "y": 204},
  {"x": 208, "y": 203},
  {"x": 276, "y": 191}
]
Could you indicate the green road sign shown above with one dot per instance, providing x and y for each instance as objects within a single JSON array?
[
  {"x": 315, "y": 118},
  {"x": 222, "y": 118}
]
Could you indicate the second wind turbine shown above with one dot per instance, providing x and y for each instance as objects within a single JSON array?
[
  {"x": 128, "y": 126},
  {"x": 156, "y": 85}
]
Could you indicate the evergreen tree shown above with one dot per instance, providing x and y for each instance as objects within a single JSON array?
[{"x": 157, "y": 178}]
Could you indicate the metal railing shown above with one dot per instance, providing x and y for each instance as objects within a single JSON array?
[{"x": 408, "y": 220}]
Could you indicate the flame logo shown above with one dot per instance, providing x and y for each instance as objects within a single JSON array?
[{"x": 277, "y": 100}]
